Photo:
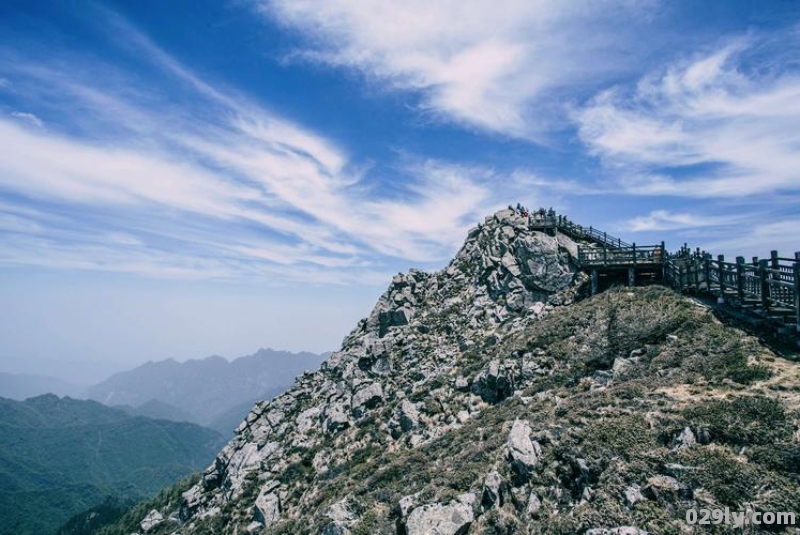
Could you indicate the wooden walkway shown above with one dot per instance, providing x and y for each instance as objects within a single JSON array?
[{"x": 766, "y": 290}]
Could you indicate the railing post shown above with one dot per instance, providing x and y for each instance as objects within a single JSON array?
[
  {"x": 721, "y": 277},
  {"x": 696, "y": 272},
  {"x": 796, "y": 271},
  {"x": 763, "y": 273},
  {"x": 775, "y": 264},
  {"x": 740, "y": 277},
  {"x": 707, "y": 268},
  {"x": 605, "y": 255},
  {"x": 633, "y": 246},
  {"x": 681, "y": 276}
]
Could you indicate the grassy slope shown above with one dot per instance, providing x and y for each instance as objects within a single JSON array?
[{"x": 741, "y": 400}]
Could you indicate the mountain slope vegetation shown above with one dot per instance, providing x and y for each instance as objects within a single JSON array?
[{"x": 60, "y": 456}]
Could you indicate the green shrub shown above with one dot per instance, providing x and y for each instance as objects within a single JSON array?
[{"x": 747, "y": 420}]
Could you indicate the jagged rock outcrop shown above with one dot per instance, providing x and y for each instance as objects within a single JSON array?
[
  {"x": 523, "y": 453},
  {"x": 469, "y": 398},
  {"x": 437, "y": 519}
]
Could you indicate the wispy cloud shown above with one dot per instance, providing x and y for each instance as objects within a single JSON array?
[
  {"x": 218, "y": 187},
  {"x": 713, "y": 126},
  {"x": 500, "y": 66},
  {"x": 761, "y": 237},
  {"x": 28, "y": 117},
  {"x": 667, "y": 220}
]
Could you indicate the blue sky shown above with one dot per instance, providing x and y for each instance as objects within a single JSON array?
[{"x": 193, "y": 177}]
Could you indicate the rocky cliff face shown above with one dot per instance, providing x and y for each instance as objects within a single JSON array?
[{"x": 482, "y": 398}]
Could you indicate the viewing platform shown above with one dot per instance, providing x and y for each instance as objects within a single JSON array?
[{"x": 765, "y": 291}]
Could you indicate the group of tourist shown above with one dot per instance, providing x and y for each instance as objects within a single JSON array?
[{"x": 539, "y": 214}]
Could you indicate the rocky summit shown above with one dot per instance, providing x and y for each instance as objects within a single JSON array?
[{"x": 495, "y": 396}]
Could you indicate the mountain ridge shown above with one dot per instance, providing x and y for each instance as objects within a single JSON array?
[{"x": 205, "y": 389}]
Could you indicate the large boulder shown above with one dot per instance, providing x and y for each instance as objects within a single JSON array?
[
  {"x": 152, "y": 520},
  {"x": 337, "y": 416},
  {"x": 366, "y": 397},
  {"x": 492, "y": 490},
  {"x": 437, "y": 519},
  {"x": 268, "y": 504},
  {"x": 405, "y": 419},
  {"x": 523, "y": 453},
  {"x": 495, "y": 382}
]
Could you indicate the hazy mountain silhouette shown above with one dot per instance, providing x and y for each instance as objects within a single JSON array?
[{"x": 212, "y": 391}]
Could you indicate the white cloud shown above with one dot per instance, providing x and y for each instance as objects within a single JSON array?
[
  {"x": 28, "y": 117},
  {"x": 235, "y": 191},
  {"x": 667, "y": 220},
  {"x": 761, "y": 237},
  {"x": 710, "y": 127},
  {"x": 490, "y": 64}
]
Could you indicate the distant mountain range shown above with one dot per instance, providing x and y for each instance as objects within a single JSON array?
[
  {"x": 212, "y": 392},
  {"x": 60, "y": 456},
  {"x": 22, "y": 386}
]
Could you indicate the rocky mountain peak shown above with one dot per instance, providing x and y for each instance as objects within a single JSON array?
[
  {"x": 406, "y": 350},
  {"x": 486, "y": 394}
]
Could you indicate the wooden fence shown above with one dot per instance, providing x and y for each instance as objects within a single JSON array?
[{"x": 766, "y": 289}]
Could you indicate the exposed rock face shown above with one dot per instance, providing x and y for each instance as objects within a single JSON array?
[
  {"x": 152, "y": 520},
  {"x": 438, "y": 519},
  {"x": 496, "y": 381},
  {"x": 523, "y": 453},
  {"x": 465, "y": 402}
]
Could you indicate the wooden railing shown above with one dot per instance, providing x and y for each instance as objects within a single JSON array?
[
  {"x": 548, "y": 219},
  {"x": 627, "y": 256},
  {"x": 768, "y": 288}
]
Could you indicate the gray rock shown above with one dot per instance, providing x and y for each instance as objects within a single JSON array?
[
  {"x": 492, "y": 490},
  {"x": 602, "y": 377},
  {"x": 510, "y": 263},
  {"x": 534, "y": 505},
  {"x": 623, "y": 530},
  {"x": 335, "y": 528},
  {"x": 666, "y": 488},
  {"x": 462, "y": 383},
  {"x": 254, "y": 527},
  {"x": 622, "y": 367},
  {"x": 365, "y": 398},
  {"x": 672, "y": 339},
  {"x": 268, "y": 505},
  {"x": 152, "y": 520},
  {"x": 523, "y": 453},
  {"x": 495, "y": 382},
  {"x": 406, "y": 504},
  {"x": 336, "y": 417},
  {"x": 437, "y": 519},
  {"x": 339, "y": 512},
  {"x": 409, "y": 416},
  {"x": 685, "y": 440},
  {"x": 633, "y": 495}
]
